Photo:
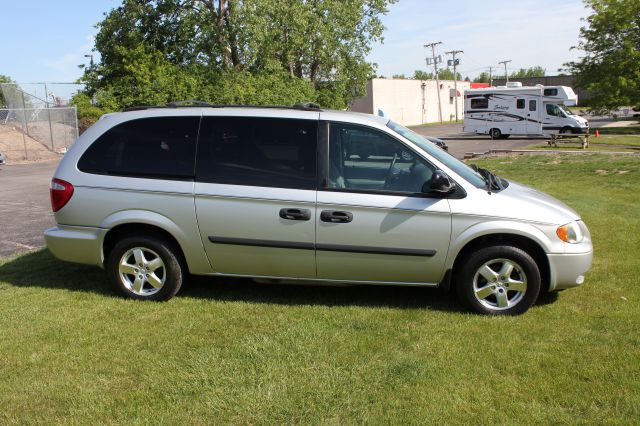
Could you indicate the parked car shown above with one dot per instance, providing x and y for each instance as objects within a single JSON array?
[
  {"x": 154, "y": 194},
  {"x": 437, "y": 142}
]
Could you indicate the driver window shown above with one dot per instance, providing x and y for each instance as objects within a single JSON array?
[
  {"x": 552, "y": 109},
  {"x": 362, "y": 158}
]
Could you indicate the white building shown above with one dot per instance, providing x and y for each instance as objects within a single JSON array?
[{"x": 412, "y": 102}]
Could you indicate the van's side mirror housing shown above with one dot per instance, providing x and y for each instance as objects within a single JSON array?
[{"x": 439, "y": 183}]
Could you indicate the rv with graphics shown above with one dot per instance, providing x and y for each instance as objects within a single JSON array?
[{"x": 516, "y": 110}]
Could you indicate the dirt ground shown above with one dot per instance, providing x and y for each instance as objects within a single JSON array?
[{"x": 12, "y": 144}]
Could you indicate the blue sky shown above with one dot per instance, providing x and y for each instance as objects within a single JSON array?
[
  {"x": 45, "y": 40},
  {"x": 529, "y": 32}
]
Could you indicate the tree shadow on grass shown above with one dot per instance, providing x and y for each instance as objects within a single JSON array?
[{"x": 41, "y": 269}]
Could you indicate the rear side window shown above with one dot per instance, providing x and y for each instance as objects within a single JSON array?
[
  {"x": 159, "y": 147},
  {"x": 479, "y": 103},
  {"x": 269, "y": 152}
]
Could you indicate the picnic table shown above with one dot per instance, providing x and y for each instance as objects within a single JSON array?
[{"x": 582, "y": 138}]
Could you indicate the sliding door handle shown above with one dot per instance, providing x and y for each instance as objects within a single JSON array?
[
  {"x": 333, "y": 216},
  {"x": 295, "y": 214}
]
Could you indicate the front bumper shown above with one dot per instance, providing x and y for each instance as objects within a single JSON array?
[
  {"x": 567, "y": 270},
  {"x": 76, "y": 244}
]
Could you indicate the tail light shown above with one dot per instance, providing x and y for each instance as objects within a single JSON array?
[{"x": 61, "y": 192}]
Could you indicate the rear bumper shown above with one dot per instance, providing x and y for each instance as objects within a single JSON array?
[
  {"x": 567, "y": 270},
  {"x": 76, "y": 244}
]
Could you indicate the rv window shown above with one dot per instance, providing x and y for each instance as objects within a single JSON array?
[
  {"x": 550, "y": 92},
  {"x": 520, "y": 104},
  {"x": 532, "y": 105},
  {"x": 479, "y": 103}
]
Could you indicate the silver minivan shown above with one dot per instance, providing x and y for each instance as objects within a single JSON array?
[{"x": 154, "y": 194}]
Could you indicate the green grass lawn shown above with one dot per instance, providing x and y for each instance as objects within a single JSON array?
[
  {"x": 231, "y": 351},
  {"x": 630, "y": 130},
  {"x": 603, "y": 143}
]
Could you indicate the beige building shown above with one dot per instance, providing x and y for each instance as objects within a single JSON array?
[{"x": 412, "y": 102}]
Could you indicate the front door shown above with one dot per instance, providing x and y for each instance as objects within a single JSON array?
[
  {"x": 373, "y": 223},
  {"x": 255, "y": 195}
]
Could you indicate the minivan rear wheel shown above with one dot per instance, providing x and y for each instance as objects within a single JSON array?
[
  {"x": 145, "y": 268},
  {"x": 499, "y": 280}
]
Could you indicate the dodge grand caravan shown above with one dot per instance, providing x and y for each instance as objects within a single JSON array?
[{"x": 154, "y": 194}]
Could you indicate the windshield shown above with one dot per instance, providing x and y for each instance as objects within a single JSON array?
[
  {"x": 565, "y": 109},
  {"x": 444, "y": 157}
]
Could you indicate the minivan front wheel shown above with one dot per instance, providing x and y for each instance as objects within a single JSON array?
[
  {"x": 145, "y": 268},
  {"x": 499, "y": 280}
]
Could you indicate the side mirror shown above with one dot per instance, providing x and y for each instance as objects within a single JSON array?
[{"x": 439, "y": 183}]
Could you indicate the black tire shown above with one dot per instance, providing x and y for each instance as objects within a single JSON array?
[
  {"x": 565, "y": 130},
  {"x": 495, "y": 133},
  {"x": 170, "y": 274},
  {"x": 484, "y": 297}
]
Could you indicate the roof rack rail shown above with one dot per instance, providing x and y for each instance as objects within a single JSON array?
[
  {"x": 307, "y": 106},
  {"x": 189, "y": 102},
  {"x": 303, "y": 106},
  {"x": 140, "y": 108}
]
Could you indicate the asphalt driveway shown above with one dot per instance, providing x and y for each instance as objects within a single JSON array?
[
  {"x": 460, "y": 143},
  {"x": 25, "y": 210}
]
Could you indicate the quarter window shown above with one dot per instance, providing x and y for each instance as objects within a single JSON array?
[
  {"x": 258, "y": 152},
  {"x": 361, "y": 158},
  {"x": 479, "y": 103},
  {"x": 159, "y": 147}
]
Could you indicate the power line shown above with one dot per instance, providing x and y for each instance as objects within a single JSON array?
[{"x": 435, "y": 69}]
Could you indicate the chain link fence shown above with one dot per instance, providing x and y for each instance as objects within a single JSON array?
[{"x": 33, "y": 128}]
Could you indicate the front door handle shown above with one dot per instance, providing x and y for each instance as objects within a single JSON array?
[
  {"x": 333, "y": 216},
  {"x": 295, "y": 214}
]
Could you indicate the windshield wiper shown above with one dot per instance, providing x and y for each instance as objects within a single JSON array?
[{"x": 493, "y": 182}]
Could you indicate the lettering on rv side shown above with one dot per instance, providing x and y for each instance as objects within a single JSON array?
[{"x": 502, "y": 107}]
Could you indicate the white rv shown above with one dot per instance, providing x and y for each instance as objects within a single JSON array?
[{"x": 516, "y": 110}]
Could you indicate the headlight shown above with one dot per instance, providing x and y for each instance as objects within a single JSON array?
[{"x": 570, "y": 233}]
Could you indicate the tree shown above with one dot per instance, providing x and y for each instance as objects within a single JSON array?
[
  {"x": 610, "y": 69},
  {"x": 422, "y": 75},
  {"x": 536, "y": 71},
  {"x": 399, "y": 76},
  {"x": 158, "y": 50},
  {"x": 447, "y": 74},
  {"x": 483, "y": 77},
  {"x": 4, "y": 79}
]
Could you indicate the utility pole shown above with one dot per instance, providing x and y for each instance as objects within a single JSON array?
[
  {"x": 455, "y": 63},
  {"x": 506, "y": 75},
  {"x": 491, "y": 76},
  {"x": 435, "y": 69}
]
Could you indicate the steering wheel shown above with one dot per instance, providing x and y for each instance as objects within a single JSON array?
[{"x": 390, "y": 171}]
